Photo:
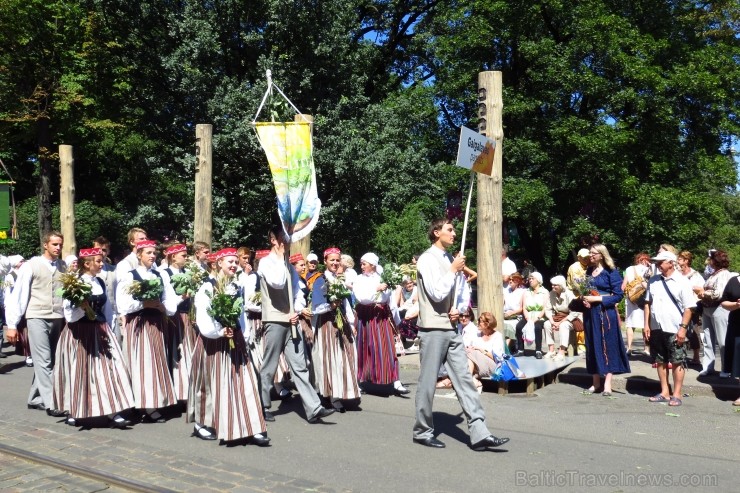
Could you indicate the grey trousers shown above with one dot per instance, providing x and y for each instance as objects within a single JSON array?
[
  {"x": 434, "y": 347},
  {"x": 278, "y": 340},
  {"x": 43, "y": 335}
]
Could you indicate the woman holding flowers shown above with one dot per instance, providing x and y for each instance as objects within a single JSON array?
[
  {"x": 181, "y": 335},
  {"x": 334, "y": 353},
  {"x": 376, "y": 354},
  {"x": 605, "y": 353},
  {"x": 224, "y": 394},
  {"x": 146, "y": 302},
  {"x": 90, "y": 377}
]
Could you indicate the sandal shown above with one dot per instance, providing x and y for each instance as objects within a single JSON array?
[
  {"x": 659, "y": 398},
  {"x": 591, "y": 390},
  {"x": 675, "y": 402},
  {"x": 737, "y": 402}
]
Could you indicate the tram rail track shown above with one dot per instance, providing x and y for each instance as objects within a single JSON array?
[{"x": 82, "y": 471}]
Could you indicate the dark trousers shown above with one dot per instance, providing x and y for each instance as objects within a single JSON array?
[{"x": 539, "y": 329}]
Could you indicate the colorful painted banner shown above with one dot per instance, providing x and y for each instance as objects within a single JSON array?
[{"x": 289, "y": 153}]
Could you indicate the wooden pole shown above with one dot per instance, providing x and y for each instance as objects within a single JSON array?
[
  {"x": 490, "y": 218},
  {"x": 203, "y": 183},
  {"x": 67, "y": 199},
  {"x": 302, "y": 246}
]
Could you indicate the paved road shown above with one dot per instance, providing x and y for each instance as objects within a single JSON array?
[{"x": 559, "y": 438}]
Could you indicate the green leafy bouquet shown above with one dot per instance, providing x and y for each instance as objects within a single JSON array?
[
  {"x": 189, "y": 281},
  {"x": 77, "y": 292},
  {"x": 336, "y": 289},
  {"x": 226, "y": 308},
  {"x": 392, "y": 276},
  {"x": 147, "y": 290},
  {"x": 408, "y": 270},
  {"x": 584, "y": 286}
]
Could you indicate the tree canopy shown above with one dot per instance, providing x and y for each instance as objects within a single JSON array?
[{"x": 619, "y": 117}]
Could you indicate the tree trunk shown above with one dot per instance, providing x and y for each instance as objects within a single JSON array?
[
  {"x": 67, "y": 199},
  {"x": 43, "y": 186}
]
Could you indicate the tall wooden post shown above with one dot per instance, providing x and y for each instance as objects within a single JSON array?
[
  {"x": 67, "y": 199},
  {"x": 203, "y": 183},
  {"x": 490, "y": 218},
  {"x": 302, "y": 246}
]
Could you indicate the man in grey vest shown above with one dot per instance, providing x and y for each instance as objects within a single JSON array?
[
  {"x": 278, "y": 317},
  {"x": 441, "y": 288},
  {"x": 34, "y": 295}
]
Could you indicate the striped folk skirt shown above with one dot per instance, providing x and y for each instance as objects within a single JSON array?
[
  {"x": 376, "y": 350},
  {"x": 145, "y": 353},
  {"x": 181, "y": 339},
  {"x": 334, "y": 359},
  {"x": 224, "y": 391},
  {"x": 90, "y": 376}
]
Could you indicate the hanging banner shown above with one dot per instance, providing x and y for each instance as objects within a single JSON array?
[
  {"x": 289, "y": 153},
  {"x": 475, "y": 152}
]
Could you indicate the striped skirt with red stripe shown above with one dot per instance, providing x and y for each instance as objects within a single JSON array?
[
  {"x": 145, "y": 354},
  {"x": 90, "y": 376},
  {"x": 181, "y": 339},
  {"x": 224, "y": 392},
  {"x": 376, "y": 350},
  {"x": 334, "y": 359}
]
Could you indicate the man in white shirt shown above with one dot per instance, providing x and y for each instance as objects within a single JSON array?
[
  {"x": 667, "y": 318},
  {"x": 35, "y": 296},
  {"x": 282, "y": 335},
  {"x": 441, "y": 300}
]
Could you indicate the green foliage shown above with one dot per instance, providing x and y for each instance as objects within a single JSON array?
[
  {"x": 405, "y": 234},
  {"x": 618, "y": 117}
]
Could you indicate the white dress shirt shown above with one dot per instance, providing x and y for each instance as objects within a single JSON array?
[
  {"x": 439, "y": 286},
  {"x": 16, "y": 304},
  {"x": 274, "y": 271},
  {"x": 127, "y": 304},
  {"x": 73, "y": 314}
]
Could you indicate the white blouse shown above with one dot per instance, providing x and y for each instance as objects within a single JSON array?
[
  {"x": 366, "y": 291},
  {"x": 73, "y": 314},
  {"x": 127, "y": 304}
]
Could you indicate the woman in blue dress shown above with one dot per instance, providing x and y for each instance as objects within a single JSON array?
[{"x": 605, "y": 353}]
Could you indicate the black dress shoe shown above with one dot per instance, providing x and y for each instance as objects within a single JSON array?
[
  {"x": 401, "y": 391},
  {"x": 268, "y": 415},
  {"x": 338, "y": 407},
  {"x": 322, "y": 413},
  {"x": 40, "y": 407},
  {"x": 260, "y": 440},
  {"x": 3, "y": 355},
  {"x": 489, "y": 441},
  {"x": 121, "y": 424},
  {"x": 56, "y": 413},
  {"x": 429, "y": 442},
  {"x": 203, "y": 433}
]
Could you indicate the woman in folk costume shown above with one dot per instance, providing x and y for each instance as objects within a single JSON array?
[
  {"x": 224, "y": 390},
  {"x": 334, "y": 353},
  {"x": 144, "y": 335},
  {"x": 376, "y": 353},
  {"x": 181, "y": 335},
  {"x": 253, "y": 331},
  {"x": 90, "y": 376},
  {"x": 304, "y": 318}
]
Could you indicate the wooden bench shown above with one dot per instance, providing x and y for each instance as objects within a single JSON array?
[{"x": 538, "y": 373}]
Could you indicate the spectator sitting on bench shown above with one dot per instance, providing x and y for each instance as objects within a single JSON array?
[
  {"x": 560, "y": 319},
  {"x": 466, "y": 328},
  {"x": 534, "y": 302},
  {"x": 480, "y": 352},
  {"x": 513, "y": 294}
]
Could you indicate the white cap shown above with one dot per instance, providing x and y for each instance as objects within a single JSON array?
[
  {"x": 370, "y": 258},
  {"x": 69, "y": 259},
  {"x": 583, "y": 253},
  {"x": 312, "y": 257},
  {"x": 664, "y": 256}
]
